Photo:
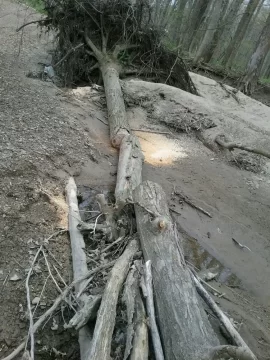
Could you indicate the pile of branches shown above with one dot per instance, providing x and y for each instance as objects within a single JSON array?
[{"x": 125, "y": 25}]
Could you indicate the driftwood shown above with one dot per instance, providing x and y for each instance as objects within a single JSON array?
[
  {"x": 233, "y": 145},
  {"x": 101, "y": 343},
  {"x": 184, "y": 327},
  {"x": 78, "y": 259},
  {"x": 224, "y": 320},
  {"x": 159, "y": 354}
]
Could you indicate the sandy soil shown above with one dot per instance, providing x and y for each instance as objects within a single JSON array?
[{"x": 48, "y": 134}]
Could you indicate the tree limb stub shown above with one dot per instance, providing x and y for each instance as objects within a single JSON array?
[
  {"x": 101, "y": 343},
  {"x": 184, "y": 327},
  {"x": 129, "y": 174},
  {"x": 224, "y": 320},
  {"x": 232, "y": 145}
]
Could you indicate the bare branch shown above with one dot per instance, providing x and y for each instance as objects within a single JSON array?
[
  {"x": 68, "y": 53},
  {"x": 93, "y": 47},
  {"x": 32, "y": 22}
]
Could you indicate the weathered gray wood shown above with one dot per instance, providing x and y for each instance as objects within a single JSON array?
[
  {"x": 137, "y": 331},
  {"x": 184, "y": 327},
  {"x": 224, "y": 320},
  {"x": 140, "y": 347},
  {"x": 159, "y": 354},
  {"x": 86, "y": 313},
  {"x": 129, "y": 174},
  {"x": 101, "y": 343},
  {"x": 78, "y": 258},
  {"x": 118, "y": 123}
]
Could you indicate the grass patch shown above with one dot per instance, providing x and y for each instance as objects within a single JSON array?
[
  {"x": 265, "y": 81},
  {"x": 36, "y": 4}
]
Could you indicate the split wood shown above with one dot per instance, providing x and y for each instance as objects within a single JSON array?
[
  {"x": 137, "y": 347},
  {"x": 55, "y": 305},
  {"x": 151, "y": 312},
  {"x": 233, "y": 145},
  {"x": 101, "y": 342}
]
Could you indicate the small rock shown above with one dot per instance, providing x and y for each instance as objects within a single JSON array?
[
  {"x": 36, "y": 300},
  {"x": 15, "y": 277}
]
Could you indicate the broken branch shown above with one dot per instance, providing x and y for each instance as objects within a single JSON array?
[
  {"x": 101, "y": 342},
  {"x": 151, "y": 312},
  {"x": 224, "y": 320}
]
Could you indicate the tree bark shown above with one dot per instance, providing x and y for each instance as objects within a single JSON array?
[
  {"x": 131, "y": 156},
  {"x": 185, "y": 330},
  {"x": 119, "y": 126},
  {"x": 196, "y": 18},
  {"x": 101, "y": 343},
  {"x": 250, "y": 80},
  {"x": 206, "y": 43},
  {"x": 240, "y": 32},
  {"x": 209, "y": 51}
]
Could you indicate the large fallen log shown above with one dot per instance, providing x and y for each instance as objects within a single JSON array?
[{"x": 185, "y": 330}]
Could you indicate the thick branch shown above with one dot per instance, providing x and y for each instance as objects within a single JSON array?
[
  {"x": 96, "y": 51},
  {"x": 231, "y": 146},
  {"x": 224, "y": 320},
  {"x": 101, "y": 344},
  {"x": 78, "y": 258}
]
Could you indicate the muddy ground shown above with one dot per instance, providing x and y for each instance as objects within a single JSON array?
[{"x": 48, "y": 134}]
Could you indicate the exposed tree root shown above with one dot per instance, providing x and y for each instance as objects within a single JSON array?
[{"x": 232, "y": 145}]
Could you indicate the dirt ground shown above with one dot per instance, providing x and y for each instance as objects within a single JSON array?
[{"x": 48, "y": 134}]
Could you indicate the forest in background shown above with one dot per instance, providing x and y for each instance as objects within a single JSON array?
[{"x": 232, "y": 36}]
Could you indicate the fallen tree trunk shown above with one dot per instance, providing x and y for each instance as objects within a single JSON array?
[{"x": 185, "y": 330}]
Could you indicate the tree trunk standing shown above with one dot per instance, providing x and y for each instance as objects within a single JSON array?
[
  {"x": 185, "y": 330},
  {"x": 240, "y": 32},
  {"x": 194, "y": 23},
  {"x": 215, "y": 17},
  {"x": 179, "y": 21},
  {"x": 250, "y": 80},
  {"x": 209, "y": 52}
]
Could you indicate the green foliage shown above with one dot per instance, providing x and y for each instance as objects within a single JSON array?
[
  {"x": 264, "y": 81},
  {"x": 36, "y": 4}
]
